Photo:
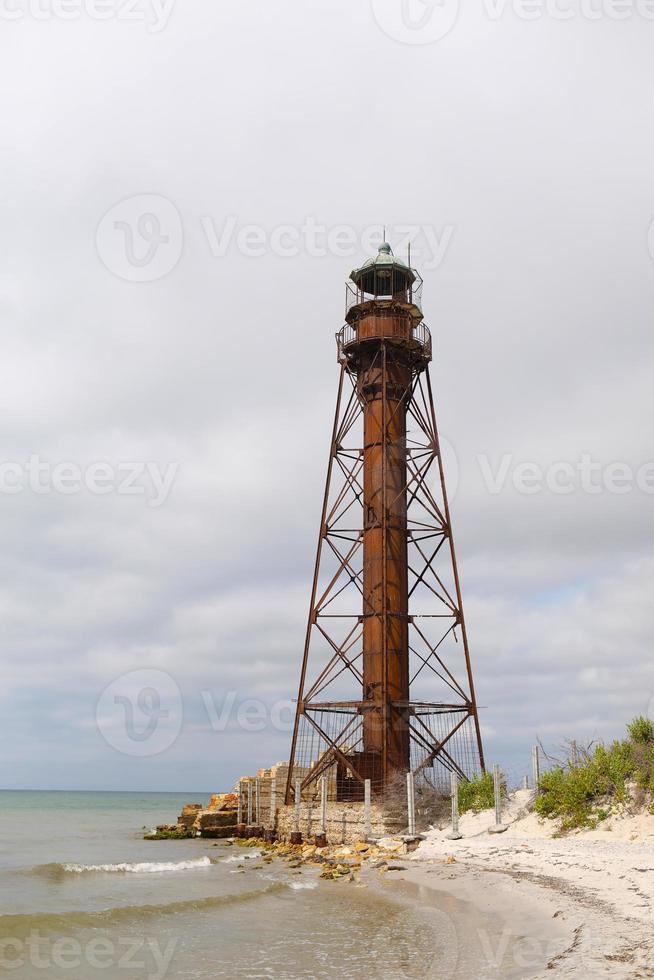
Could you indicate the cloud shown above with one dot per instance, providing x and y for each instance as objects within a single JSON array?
[{"x": 541, "y": 316}]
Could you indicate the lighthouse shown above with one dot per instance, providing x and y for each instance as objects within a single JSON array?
[{"x": 386, "y": 684}]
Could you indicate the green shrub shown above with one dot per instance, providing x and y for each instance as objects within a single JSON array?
[
  {"x": 478, "y": 794},
  {"x": 573, "y": 794},
  {"x": 567, "y": 794},
  {"x": 643, "y": 755},
  {"x": 641, "y": 730}
]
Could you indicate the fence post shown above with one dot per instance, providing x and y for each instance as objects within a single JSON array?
[
  {"x": 367, "y": 819},
  {"x": 411, "y": 804},
  {"x": 525, "y": 782},
  {"x": 257, "y": 798},
  {"x": 454, "y": 789},
  {"x": 240, "y": 802},
  {"x": 296, "y": 836},
  {"x": 499, "y": 827},
  {"x": 323, "y": 805},
  {"x": 249, "y": 803},
  {"x": 298, "y": 804},
  {"x": 273, "y": 802},
  {"x": 535, "y": 766}
]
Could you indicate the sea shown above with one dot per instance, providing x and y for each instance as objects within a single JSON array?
[{"x": 84, "y": 896}]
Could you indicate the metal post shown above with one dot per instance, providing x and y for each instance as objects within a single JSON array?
[
  {"x": 240, "y": 802},
  {"x": 497, "y": 789},
  {"x": 499, "y": 827},
  {"x": 273, "y": 802},
  {"x": 525, "y": 782},
  {"x": 454, "y": 789},
  {"x": 367, "y": 818},
  {"x": 249, "y": 803},
  {"x": 411, "y": 804},
  {"x": 298, "y": 804},
  {"x": 535, "y": 766},
  {"x": 323, "y": 805},
  {"x": 257, "y": 796}
]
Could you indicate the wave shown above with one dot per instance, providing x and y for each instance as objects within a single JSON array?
[
  {"x": 19, "y": 925},
  {"x": 139, "y": 867},
  {"x": 239, "y": 858},
  {"x": 143, "y": 867}
]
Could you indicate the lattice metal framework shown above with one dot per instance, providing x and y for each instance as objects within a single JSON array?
[{"x": 386, "y": 681}]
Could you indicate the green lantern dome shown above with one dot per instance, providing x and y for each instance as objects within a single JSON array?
[{"x": 384, "y": 275}]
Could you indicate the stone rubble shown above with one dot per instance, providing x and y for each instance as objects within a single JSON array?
[{"x": 335, "y": 861}]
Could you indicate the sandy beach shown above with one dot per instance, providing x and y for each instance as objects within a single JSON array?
[{"x": 581, "y": 905}]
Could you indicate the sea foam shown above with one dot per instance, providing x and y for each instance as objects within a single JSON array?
[{"x": 143, "y": 867}]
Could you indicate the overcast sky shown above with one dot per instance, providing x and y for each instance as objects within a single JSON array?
[{"x": 184, "y": 190}]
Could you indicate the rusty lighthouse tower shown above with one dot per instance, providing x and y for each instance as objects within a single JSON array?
[{"x": 386, "y": 682}]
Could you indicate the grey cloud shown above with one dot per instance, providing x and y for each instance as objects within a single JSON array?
[{"x": 532, "y": 141}]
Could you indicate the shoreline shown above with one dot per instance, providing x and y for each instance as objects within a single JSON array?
[
  {"x": 489, "y": 936},
  {"x": 549, "y": 917},
  {"x": 525, "y": 903},
  {"x": 446, "y": 923}
]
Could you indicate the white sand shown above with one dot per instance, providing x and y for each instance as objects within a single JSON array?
[{"x": 599, "y": 883}]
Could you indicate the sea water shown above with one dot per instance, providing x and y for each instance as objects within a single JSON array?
[{"x": 83, "y": 896}]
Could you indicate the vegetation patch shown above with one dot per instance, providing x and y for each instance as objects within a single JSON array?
[
  {"x": 582, "y": 791},
  {"x": 170, "y": 832},
  {"x": 478, "y": 794}
]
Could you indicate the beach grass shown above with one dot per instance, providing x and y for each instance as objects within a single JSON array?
[{"x": 583, "y": 791}]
